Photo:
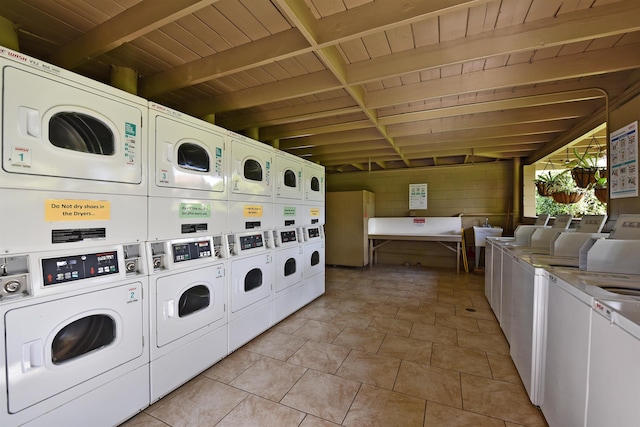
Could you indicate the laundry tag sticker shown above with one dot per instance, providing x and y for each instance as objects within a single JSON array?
[
  {"x": 289, "y": 211},
  {"x": 133, "y": 294},
  {"x": 195, "y": 210},
  {"x": 57, "y": 210},
  {"x": 314, "y": 212},
  {"x": 21, "y": 156},
  {"x": 252, "y": 211}
]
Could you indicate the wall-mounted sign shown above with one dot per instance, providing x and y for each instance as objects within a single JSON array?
[
  {"x": 417, "y": 196},
  {"x": 623, "y": 153}
]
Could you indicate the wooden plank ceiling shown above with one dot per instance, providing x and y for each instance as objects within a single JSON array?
[{"x": 360, "y": 84}]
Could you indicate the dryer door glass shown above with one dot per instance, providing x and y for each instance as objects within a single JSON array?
[
  {"x": 81, "y": 337},
  {"x": 194, "y": 299},
  {"x": 315, "y": 184},
  {"x": 253, "y": 170},
  {"x": 81, "y": 132},
  {"x": 289, "y": 267},
  {"x": 315, "y": 258},
  {"x": 193, "y": 157},
  {"x": 253, "y": 279},
  {"x": 290, "y": 178}
]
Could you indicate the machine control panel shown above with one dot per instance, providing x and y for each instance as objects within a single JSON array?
[
  {"x": 250, "y": 242},
  {"x": 192, "y": 250},
  {"x": 288, "y": 236},
  {"x": 314, "y": 233},
  {"x": 77, "y": 267}
]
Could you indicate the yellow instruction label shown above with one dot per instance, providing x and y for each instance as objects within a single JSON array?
[
  {"x": 76, "y": 210},
  {"x": 252, "y": 211},
  {"x": 314, "y": 212}
]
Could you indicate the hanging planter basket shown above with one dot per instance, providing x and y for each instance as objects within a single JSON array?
[
  {"x": 543, "y": 189},
  {"x": 567, "y": 198},
  {"x": 602, "y": 194},
  {"x": 584, "y": 177}
]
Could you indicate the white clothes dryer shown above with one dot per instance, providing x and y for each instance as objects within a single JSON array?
[
  {"x": 314, "y": 262},
  {"x": 289, "y": 265},
  {"x": 251, "y": 287},
  {"x": 75, "y": 337},
  {"x": 288, "y": 177},
  {"x": 314, "y": 185},
  {"x": 73, "y": 161},
  {"x": 188, "y": 299},
  {"x": 250, "y": 169}
]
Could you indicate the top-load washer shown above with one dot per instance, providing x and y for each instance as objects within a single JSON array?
[
  {"x": 187, "y": 176},
  {"x": 250, "y": 169},
  {"x": 75, "y": 345},
  {"x": 73, "y": 159}
]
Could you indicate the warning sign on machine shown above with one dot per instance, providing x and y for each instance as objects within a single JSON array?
[{"x": 76, "y": 210}]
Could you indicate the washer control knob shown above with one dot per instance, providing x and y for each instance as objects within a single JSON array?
[
  {"x": 157, "y": 262},
  {"x": 130, "y": 266},
  {"x": 12, "y": 286}
]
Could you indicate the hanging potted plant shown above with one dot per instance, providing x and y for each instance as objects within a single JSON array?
[
  {"x": 600, "y": 189},
  {"x": 545, "y": 180},
  {"x": 565, "y": 191},
  {"x": 584, "y": 168}
]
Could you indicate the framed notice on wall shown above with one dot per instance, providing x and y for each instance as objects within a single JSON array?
[
  {"x": 623, "y": 155},
  {"x": 417, "y": 196}
]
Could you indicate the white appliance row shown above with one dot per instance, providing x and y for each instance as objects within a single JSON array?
[
  {"x": 130, "y": 258},
  {"x": 548, "y": 313}
]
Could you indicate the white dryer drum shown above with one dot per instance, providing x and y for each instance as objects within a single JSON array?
[
  {"x": 251, "y": 170},
  {"x": 188, "y": 301},
  {"x": 57, "y": 345},
  {"x": 314, "y": 258},
  {"x": 289, "y": 266},
  {"x": 77, "y": 138},
  {"x": 288, "y": 177},
  {"x": 313, "y": 183},
  {"x": 251, "y": 281}
]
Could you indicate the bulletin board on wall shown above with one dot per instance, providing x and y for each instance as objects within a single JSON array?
[
  {"x": 623, "y": 152},
  {"x": 417, "y": 196}
]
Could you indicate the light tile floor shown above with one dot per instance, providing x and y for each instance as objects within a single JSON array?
[{"x": 391, "y": 346}]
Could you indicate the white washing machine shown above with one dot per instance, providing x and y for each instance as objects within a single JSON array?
[
  {"x": 187, "y": 176},
  {"x": 314, "y": 185},
  {"x": 250, "y": 169},
  {"x": 73, "y": 161},
  {"x": 289, "y": 266},
  {"x": 251, "y": 286},
  {"x": 314, "y": 264},
  {"x": 75, "y": 337},
  {"x": 188, "y": 298}
]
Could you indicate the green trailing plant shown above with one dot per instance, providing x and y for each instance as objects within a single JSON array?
[
  {"x": 585, "y": 160},
  {"x": 601, "y": 179}
]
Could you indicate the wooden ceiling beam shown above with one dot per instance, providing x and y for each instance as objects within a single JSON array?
[
  {"x": 331, "y": 139},
  {"x": 282, "y": 132},
  {"x": 132, "y": 23}
]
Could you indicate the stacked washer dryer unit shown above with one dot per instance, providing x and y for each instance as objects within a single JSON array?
[
  {"x": 251, "y": 266},
  {"x": 185, "y": 250},
  {"x": 288, "y": 236},
  {"x": 313, "y": 230},
  {"x": 74, "y": 348}
]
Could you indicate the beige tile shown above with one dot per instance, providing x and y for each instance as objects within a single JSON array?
[
  {"x": 408, "y": 301},
  {"x": 320, "y": 356},
  {"x": 319, "y": 331},
  {"x": 369, "y": 368},
  {"x": 202, "y": 401},
  {"x": 275, "y": 345},
  {"x": 476, "y": 313},
  {"x": 384, "y": 408},
  {"x": 437, "y": 307},
  {"x": 460, "y": 359},
  {"x": 434, "y": 334},
  {"x": 269, "y": 378},
  {"x": 455, "y": 300},
  {"x": 359, "y": 340},
  {"x": 290, "y": 324},
  {"x": 311, "y": 421},
  {"x": 491, "y": 343},
  {"x": 452, "y": 321},
  {"x": 380, "y": 310},
  {"x": 490, "y": 327},
  {"x": 322, "y": 314},
  {"x": 323, "y": 395},
  {"x": 429, "y": 383},
  {"x": 352, "y": 320},
  {"x": 143, "y": 420},
  {"x": 503, "y": 369},
  {"x": 233, "y": 365},
  {"x": 348, "y": 304},
  {"x": 438, "y": 415},
  {"x": 406, "y": 349},
  {"x": 397, "y": 327},
  {"x": 256, "y": 411},
  {"x": 499, "y": 399},
  {"x": 428, "y": 317}
]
